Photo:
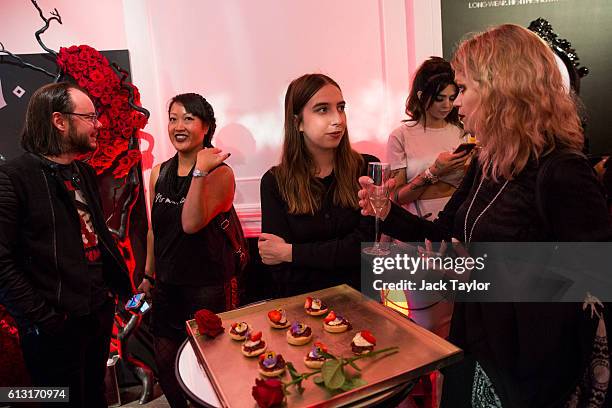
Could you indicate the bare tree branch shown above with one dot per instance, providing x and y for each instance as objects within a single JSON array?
[
  {"x": 55, "y": 15},
  {"x": 21, "y": 62}
]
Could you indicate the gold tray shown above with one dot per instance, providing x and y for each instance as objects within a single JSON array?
[{"x": 233, "y": 375}]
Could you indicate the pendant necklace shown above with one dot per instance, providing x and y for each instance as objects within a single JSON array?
[{"x": 468, "y": 238}]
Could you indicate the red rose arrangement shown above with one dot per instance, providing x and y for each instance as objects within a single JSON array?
[
  {"x": 208, "y": 323},
  {"x": 92, "y": 71},
  {"x": 268, "y": 393}
]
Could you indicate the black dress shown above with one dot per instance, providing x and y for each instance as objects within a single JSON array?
[
  {"x": 326, "y": 245},
  {"x": 190, "y": 269},
  {"x": 534, "y": 354}
]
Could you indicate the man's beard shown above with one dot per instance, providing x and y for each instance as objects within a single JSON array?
[{"x": 77, "y": 142}]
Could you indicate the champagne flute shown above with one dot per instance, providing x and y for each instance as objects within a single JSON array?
[{"x": 378, "y": 196}]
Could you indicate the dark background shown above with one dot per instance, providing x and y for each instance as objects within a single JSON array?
[
  {"x": 585, "y": 23},
  {"x": 12, "y": 75}
]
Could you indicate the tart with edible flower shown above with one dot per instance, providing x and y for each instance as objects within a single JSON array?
[
  {"x": 253, "y": 345},
  {"x": 278, "y": 318},
  {"x": 363, "y": 342},
  {"x": 271, "y": 364},
  {"x": 314, "y": 306},
  {"x": 239, "y": 331},
  {"x": 299, "y": 334},
  {"x": 315, "y": 359},
  {"x": 334, "y": 323}
]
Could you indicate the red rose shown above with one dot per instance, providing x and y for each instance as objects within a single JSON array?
[
  {"x": 208, "y": 323},
  {"x": 268, "y": 393}
]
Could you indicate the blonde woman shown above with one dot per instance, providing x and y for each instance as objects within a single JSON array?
[{"x": 512, "y": 98}]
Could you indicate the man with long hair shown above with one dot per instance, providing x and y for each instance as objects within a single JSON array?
[{"x": 59, "y": 266}]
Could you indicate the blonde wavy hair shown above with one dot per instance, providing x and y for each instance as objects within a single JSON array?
[{"x": 524, "y": 112}]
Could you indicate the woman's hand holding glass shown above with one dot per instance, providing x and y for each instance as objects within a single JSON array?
[{"x": 364, "y": 197}]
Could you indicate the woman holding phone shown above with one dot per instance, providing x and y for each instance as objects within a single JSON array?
[{"x": 423, "y": 151}]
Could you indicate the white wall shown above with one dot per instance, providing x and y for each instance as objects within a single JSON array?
[{"x": 242, "y": 54}]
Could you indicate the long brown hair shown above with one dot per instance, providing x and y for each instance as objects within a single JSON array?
[
  {"x": 525, "y": 111},
  {"x": 295, "y": 174},
  {"x": 39, "y": 134}
]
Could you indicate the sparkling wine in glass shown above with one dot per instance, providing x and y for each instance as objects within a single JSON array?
[{"x": 378, "y": 195}]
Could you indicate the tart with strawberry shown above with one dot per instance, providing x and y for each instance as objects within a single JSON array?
[
  {"x": 253, "y": 345},
  {"x": 314, "y": 306},
  {"x": 334, "y": 323},
  {"x": 363, "y": 342},
  {"x": 315, "y": 359},
  {"x": 239, "y": 330},
  {"x": 299, "y": 334},
  {"x": 278, "y": 318},
  {"x": 271, "y": 364}
]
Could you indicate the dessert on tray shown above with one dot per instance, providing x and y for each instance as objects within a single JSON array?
[
  {"x": 239, "y": 330},
  {"x": 334, "y": 323},
  {"x": 314, "y": 359},
  {"x": 278, "y": 318},
  {"x": 271, "y": 364},
  {"x": 253, "y": 345},
  {"x": 299, "y": 334},
  {"x": 314, "y": 306},
  {"x": 363, "y": 342}
]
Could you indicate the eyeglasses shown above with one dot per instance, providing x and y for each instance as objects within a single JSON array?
[{"x": 91, "y": 117}]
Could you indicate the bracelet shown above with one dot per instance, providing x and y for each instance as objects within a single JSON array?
[
  {"x": 198, "y": 173},
  {"x": 149, "y": 278},
  {"x": 430, "y": 177}
]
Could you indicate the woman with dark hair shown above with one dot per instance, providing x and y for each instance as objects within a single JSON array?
[
  {"x": 311, "y": 226},
  {"x": 426, "y": 171},
  {"x": 518, "y": 354},
  {"x": 189, "y": 258}
]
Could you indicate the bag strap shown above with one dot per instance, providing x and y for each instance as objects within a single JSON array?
[{"x": 224, "y": 221}]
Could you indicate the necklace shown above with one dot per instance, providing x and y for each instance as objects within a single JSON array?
[{"x": 468, "y": 238}]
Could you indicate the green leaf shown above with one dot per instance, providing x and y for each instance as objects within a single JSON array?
[
  {"x": 333, "y": 374},
  {"x": 355, "y": 366},
  {"x": 351, "y": 383},
  {"x": 318, "y": 380}
]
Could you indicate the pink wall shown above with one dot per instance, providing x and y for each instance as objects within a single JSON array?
[{"x": 241, "y": 55}]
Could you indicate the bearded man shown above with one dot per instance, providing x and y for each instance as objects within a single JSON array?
[{"x": 59, "y": 267}]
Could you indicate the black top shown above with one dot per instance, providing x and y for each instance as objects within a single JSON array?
[
  {"x": 44, "y": 273},
  {"x": 533, "y": 353},
  {"x": 180, "y": 258},
  {"x": 326, "y": 245}
]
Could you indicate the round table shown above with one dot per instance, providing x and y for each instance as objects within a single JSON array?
[
  {"x": 195, "y": 383},
  {"x": 193, "y": 379}
]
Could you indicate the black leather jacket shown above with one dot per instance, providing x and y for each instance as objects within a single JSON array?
[{"x": 43, "y": 269}]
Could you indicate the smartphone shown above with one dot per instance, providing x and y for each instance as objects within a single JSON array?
[
  {"x": 145, "y": 306},
  {"x": 135, "y": 302},
  {"x": 465, "y": 147}
]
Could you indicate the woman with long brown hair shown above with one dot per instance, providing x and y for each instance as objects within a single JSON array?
[
  {"x": 311, "y": 226},
  {"x": 513, "y": 100}
]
